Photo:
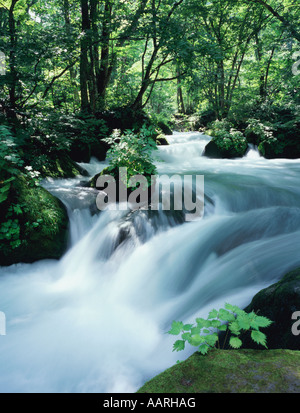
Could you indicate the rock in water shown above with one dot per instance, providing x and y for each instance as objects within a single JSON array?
[
  {"x": 279, "y": 302},
  {"x": 231, "y": 371},
  {"x": 34, "y": 225}
]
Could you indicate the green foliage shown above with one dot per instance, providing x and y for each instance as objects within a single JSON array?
[
  {"x": 33, "y": 217},
  {"x": 227, "y": 138},
  {"x": 220, "y": 126},
  {"x": 133, "y": 151},
  {"x": 257, "y": 131},
  {"x": 10, "y": 160},
  {"x": 231, "y": 319},
  {"x": 56, "y": 132}
]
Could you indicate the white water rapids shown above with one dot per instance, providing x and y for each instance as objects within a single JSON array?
[{"x": 96, "y": 320}]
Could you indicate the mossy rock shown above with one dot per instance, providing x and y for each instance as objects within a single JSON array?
[
  {"x": 59, "y": 165},
  {"x": 217, "y": 148},
  {"x": 285, "y": 142},
  {"x": 278, "y": 302},
  {"x": 161, "y": 140},
  {"x": 231, "y": 371},
  {"x": 92, "y": 183},
  {"x": 63, "y": 167},
  {"x": 166, "y": 130},
  {"x": 275, "y": 148},
  {"x": 40, "y": 222}
]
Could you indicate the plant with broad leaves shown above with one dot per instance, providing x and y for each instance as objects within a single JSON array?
[
  {"x": 133, "y": 151},
  {"x": 231, "y": 319}
]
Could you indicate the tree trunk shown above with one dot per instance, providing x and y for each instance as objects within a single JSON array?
[
  {"x": 66, "y": 11},
  {"x": 103, "y": 73},
  {"x": 262, "y": 91},
  {"x": 12, "y": 61},
  {"x": 180, "y": 102},
  {"x": 84, "y": 64}
]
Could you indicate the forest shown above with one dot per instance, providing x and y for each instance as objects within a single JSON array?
[{"x": 186, "y": 87}]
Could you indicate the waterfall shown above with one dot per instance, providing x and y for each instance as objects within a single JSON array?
[{"x": 95, "y": 320}]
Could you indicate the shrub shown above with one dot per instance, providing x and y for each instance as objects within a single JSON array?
[
  {"x": 132, "y": 151},
  {"x": 256, "y": 131}
]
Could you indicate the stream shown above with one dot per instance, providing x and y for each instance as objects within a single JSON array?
[{"x": 96, "y": 320}]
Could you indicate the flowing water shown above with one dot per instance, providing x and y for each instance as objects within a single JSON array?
[{"x": 95, "y": 321}]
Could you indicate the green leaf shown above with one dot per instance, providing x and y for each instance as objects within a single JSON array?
[
  {"x": 187, "y": 327},
  {"x": 3, "y": 197},
  {"x": 263, "y": 321},
  {"x": 235, "y": 342},
  {"x": 202, "y": 323},
  {"x": 243, "y": 321},
  {"x": 226, "y": 315},
  {"x": 203, "y": 349},
  {"x": 213, "y": 314},
  {"x": 195, "y": 330},
  {"x": 179, "y": 345},
  {"x": 234, "y": 328},
  {"x": 5, "y": 188},
  {"x": 176, "y": 328},
  {"x": 18, "y": 209},
  {"x": 186, "y": 336},
  {"x": 211, "y": 339},
  {"x": 235, "y": 309},
  {"x": 196, "y": 340},
  {"x": 216, "y": 323},
  {"x": 259, "y": 338}
]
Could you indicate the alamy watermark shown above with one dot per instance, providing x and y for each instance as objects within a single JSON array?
[
  {"x": 2, "y": 64},
  {"x": 176, "y": 192},
  {"x": 2, "y": 324},
  {"x": 296, "y": 325}
]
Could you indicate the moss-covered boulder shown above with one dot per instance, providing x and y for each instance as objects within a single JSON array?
[
  {"x": 60, "y": 165},
  {"x": 231, "y": 371},
  {"x": 275, "y": 148},
  {"x": 226, "y": 142},
  {"x": 227, "y": 146},
  {"x": 119, "y": 180},
  {"x": 278, "y": 302},
  {"x": 284, "y": 142},
  {"x": 161, "y": 140},
  {"x": 34, "y": 225},
  {"x": 165, "y": 128}
]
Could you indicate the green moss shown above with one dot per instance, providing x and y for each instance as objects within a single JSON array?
[
  {"x": 62, "y": 166},
  {"x": 39, "y": 225},
  {"x": 231, "y": 371}
]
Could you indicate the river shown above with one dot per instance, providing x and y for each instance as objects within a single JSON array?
[{"x": 96, "y": 320}]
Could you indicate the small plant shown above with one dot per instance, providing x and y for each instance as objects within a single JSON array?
[
  {"x": 132, "y": 151},
  {"x": 231, "y": 319}
]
